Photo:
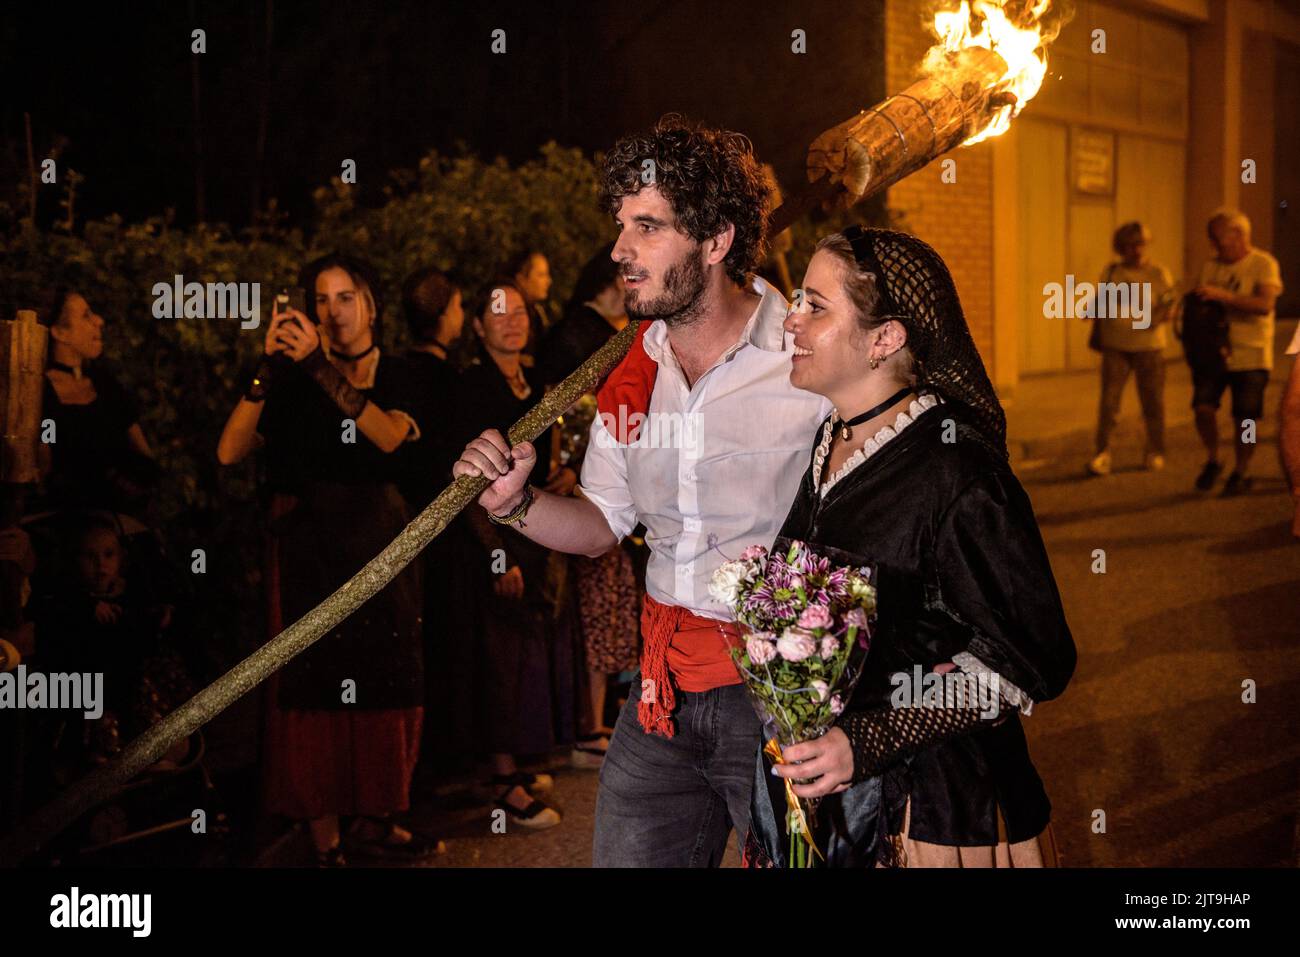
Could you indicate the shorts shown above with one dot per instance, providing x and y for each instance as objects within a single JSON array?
[{"x": 1247, "y": 391}]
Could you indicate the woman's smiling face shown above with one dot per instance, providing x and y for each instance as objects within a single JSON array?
[
  {"x": 830, "y": 345},
  {"x": 504, "y": 323}
]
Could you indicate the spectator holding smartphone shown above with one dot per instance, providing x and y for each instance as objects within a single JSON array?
[{"x": 345, "y": 716}]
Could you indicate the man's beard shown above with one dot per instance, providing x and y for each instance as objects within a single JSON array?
[{"x": 679, "y": 304}]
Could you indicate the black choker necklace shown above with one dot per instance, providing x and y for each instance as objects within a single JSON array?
[
  {"x": 360, "y": 355},
  {"x": 846, "y": 431},
  {"x": 74, "y": 371}
]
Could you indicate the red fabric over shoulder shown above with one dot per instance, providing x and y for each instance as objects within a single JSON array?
[{"x": 626, "y": 391}]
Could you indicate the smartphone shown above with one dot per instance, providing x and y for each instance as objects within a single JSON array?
[{"x": 292, "y": 297}]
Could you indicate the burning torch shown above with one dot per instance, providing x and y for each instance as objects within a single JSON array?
[{"x": 990, "y": 60}]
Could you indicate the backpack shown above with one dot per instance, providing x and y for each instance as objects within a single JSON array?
[{"x": 1205, "y": 334}]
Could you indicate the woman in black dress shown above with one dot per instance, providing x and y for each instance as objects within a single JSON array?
[
  {"x": 343, "y": 729},
  {"x": 100, "y": 457},
  {"x": 432, "y": 304},
  {"x": 910, "y": 473},
  {"x": 528, "y": 626}
]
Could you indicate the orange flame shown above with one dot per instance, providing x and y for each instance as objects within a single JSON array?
[{"x": 1021, "y": 42}]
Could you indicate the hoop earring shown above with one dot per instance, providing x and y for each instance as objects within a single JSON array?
[{"x": 875, "y": 362}]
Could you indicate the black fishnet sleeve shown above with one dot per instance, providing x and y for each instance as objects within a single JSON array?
[
  {"x": 341, "y": 392},
  {"x": 881, "y": 738}
]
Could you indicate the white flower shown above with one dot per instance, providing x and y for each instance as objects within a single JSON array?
[
  {"x": 822, "y": 689},
  {"x": 725, "y": 583}
]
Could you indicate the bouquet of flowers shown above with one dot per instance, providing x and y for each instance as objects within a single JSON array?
[{"x": 806, "y": 624}]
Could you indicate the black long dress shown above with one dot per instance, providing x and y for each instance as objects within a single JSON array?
[
  {"x": 451, "y": 612},
  {"x": 962, "y": 568},
  {"x": 528, "y": 664},
  {"x": 335, "y": 506}
]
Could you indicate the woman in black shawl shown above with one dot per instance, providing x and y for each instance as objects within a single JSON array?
[{"x": 910, "y": 473}]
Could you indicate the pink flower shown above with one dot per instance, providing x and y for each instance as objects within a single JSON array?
[
  {"x": 822, "y": 689},
  {"x": 760, "y": 649},
  {"x": 837, "y": 706},
  {"x": 753, "y": 551},
  {"x": 815, "y": 616},
  {"x": 795, "y": 644},
  {"x": 856, "y": 617},
  {"x": 830, "y": 646}
]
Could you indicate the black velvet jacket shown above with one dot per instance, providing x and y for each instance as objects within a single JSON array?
[{"x": 962, "y": 568}]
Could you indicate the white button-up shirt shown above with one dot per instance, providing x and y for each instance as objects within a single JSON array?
[{"x": 717, "y": 462}]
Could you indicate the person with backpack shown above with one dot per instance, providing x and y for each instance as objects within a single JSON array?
[{"x": 1245, "y": 282}]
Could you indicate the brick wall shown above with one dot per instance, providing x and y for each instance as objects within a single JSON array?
[{"x": 955, "y": 218}]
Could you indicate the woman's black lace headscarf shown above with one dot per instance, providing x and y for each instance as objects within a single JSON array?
[{"x": 916, "y": 289}]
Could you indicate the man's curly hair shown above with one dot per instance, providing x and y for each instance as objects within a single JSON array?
[{"x": 709, "y": 177}]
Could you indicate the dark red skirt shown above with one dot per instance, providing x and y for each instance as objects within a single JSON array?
[{"x": 318, "y": 763}]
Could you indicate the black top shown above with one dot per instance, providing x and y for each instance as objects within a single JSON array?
[
  {"x": 962, "y": 568},
  {"x": 570, "y": 342},
  {"x": 304, "y": 430},
  {"x": 90, "y": 449},
  {"x": 487, "y": 402},
  {"x": 426, "y": 463}
]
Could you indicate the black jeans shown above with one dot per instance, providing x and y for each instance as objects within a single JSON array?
[{"x": 670, "y": 802}]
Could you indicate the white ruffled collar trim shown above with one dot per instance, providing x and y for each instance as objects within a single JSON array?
[{"x": 873, "y": 445}]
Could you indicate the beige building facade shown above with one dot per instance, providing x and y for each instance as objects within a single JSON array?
[{"x": 1150, "y": 111}]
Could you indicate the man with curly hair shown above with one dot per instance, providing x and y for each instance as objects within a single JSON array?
[{"x": 702, "y": 439}]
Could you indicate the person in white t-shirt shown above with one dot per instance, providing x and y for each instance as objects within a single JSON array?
[{"x": 1247, "y": 281}]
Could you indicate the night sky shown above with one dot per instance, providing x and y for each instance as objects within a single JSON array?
[{"x": 383, "y": 84}]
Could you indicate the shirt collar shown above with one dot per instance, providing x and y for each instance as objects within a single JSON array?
[{"x": 764, "y": 329}]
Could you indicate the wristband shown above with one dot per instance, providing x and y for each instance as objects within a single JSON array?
[{"x": 518, "y": 512}]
